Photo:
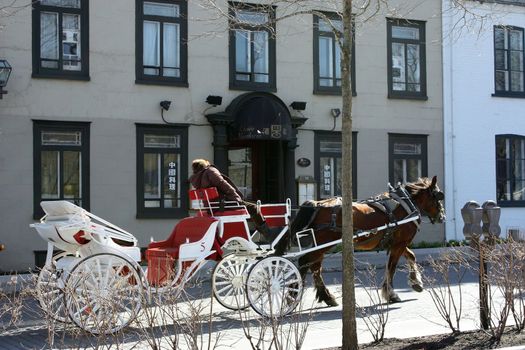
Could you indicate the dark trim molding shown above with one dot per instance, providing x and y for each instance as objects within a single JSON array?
[
  {"x": 60, "y": 73},
  {"x": 509, "y": 93},
  {"x": 140, "y": 77},
  {"x": 409, "y": 138},
  {"x": 420, "y": 25},
  {"x": 330, "y": 90},
  {"x": 38, "y": 127},
  {"x": 162, "y": 213},
  {"x": 321, "y": 135},
  {"x": 235, "y": 84}
]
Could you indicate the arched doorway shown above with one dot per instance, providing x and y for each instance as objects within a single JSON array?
[{"x": 254, "y": 142}]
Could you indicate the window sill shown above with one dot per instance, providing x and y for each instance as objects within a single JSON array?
[
  {"x": 253, "y": 87},
  {"x": 331, "y": 92},
  {"x": 61, "y": 76},
  {"x": 511, "y": 204},
  {"x": 509, "y": 94},
  {"x": 161, "y": 82},
  {"x": 408, "y": 97}
]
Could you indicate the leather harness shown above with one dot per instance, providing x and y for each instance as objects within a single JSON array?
[{"x": 386, "y": 204}]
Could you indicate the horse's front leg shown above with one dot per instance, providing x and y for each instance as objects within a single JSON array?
[
  {"x": 323, "y": 294},
  {"x": 387, "y": 289},
  {"x": 313, "y": 261},
  {"x": 414, "y": 275}
]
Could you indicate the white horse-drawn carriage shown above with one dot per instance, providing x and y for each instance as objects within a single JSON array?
[{"x": 96, "y": 279}]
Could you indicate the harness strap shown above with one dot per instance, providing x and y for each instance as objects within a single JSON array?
[{"x": 407, "y": 205}]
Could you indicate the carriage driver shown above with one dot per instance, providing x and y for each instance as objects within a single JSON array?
[{"x": 206, "y": 175}]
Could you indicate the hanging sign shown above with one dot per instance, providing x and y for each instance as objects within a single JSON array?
[{"x": 303, "y": 162}]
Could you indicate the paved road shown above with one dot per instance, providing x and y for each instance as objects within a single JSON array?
[{"x": 415, "y": 316}]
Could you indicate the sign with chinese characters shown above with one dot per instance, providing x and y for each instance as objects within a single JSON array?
[
  {"x": 276, "y": 131},
  {"x": 172, "y": 176},
  {"x": 327, "y": 178}
]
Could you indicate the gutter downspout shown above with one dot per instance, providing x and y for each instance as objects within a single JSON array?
[{"x": 447, "y": 19}]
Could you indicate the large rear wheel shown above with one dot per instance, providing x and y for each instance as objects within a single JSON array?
[{"x": 104, "y": 293}]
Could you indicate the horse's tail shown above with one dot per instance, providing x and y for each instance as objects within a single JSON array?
[{"x": 302, "y": 219}]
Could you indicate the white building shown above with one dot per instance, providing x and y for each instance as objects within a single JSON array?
[{"x": 484, "y": 110}]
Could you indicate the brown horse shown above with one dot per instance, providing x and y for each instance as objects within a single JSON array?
[{"x": 407, "y": 202}]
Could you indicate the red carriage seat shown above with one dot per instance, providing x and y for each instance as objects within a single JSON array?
[
  {"x": 276, "y": 215},
  {"x": 188, "y": 230},
  {"x": 191, "y": 239}
]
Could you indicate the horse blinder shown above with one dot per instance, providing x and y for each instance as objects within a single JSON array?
[{"x": 438, "y": 197}]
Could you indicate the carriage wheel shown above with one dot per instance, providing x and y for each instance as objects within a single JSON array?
[
  {"x": 104, "y": 293},
  {"x": 274, "y": 287},
  {"x": 50, "y": 290},
  {"x": 229, "y": 281}
]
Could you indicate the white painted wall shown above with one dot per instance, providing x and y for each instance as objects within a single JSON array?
[{"x": 472, "y": 115}]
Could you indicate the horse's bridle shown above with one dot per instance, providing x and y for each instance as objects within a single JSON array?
[{"x": 437, "y": 196}]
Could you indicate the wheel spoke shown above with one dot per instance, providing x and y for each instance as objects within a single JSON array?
[{"x": 228, "y": 287}]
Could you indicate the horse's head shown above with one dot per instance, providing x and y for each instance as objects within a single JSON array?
[{"x": 428, "y": 197}]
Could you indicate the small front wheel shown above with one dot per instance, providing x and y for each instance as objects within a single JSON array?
[
  {"x": 50, "y": 290},
  {"x": 229, "y": 281},
  {"x": 274, "y": 287}
]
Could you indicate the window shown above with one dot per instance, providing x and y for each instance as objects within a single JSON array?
[
  {"x": 60, "y": 163},
  {"x": 510, "y": 170},
  {"x": 328, "y": 155},
  {"x": 327, "y": 56},
  {"x": 407, "y": 158},
  {"x": 508, "y": 61},
  {"x": 406, "y": 59},
  {"x": 161, "y": 54},
  {"x": 240, "y": 169},
  {"x": 162, "y": 171},
  {"x": 60, "y": 39},
  {"x": 252, "y": 47}
]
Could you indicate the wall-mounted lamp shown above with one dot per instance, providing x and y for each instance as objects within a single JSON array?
[
  {"x": 5, "y": 72},
  {"x": 298, "y": 105},
  {"x": 336, "y": 112},
  {"x": 165, "y": 105},
  {"x": 214, "y": 100}
]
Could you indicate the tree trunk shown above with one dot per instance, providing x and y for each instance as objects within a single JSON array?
[{"x": 349, "y": 314}]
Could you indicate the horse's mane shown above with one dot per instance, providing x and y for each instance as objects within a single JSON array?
[{"x": 421, "y": 184}]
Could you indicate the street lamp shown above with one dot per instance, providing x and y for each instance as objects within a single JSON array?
[{"x": 5, "y": 72}]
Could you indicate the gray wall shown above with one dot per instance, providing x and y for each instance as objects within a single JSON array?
[{"x": 113, "y": 103}]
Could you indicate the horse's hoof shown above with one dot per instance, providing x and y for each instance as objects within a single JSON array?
[
  {"x": 331, "y": 302},
  {"x": 418, "y": 288},
  {"x": 394, "y": 299}
]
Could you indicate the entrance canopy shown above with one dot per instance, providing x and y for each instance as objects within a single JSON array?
[{"x": 259, "y": 116}]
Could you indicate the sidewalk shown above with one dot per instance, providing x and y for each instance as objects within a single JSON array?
[
  {"x": 331, "y": 263},
  {"x": 414, "y": 317}
]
